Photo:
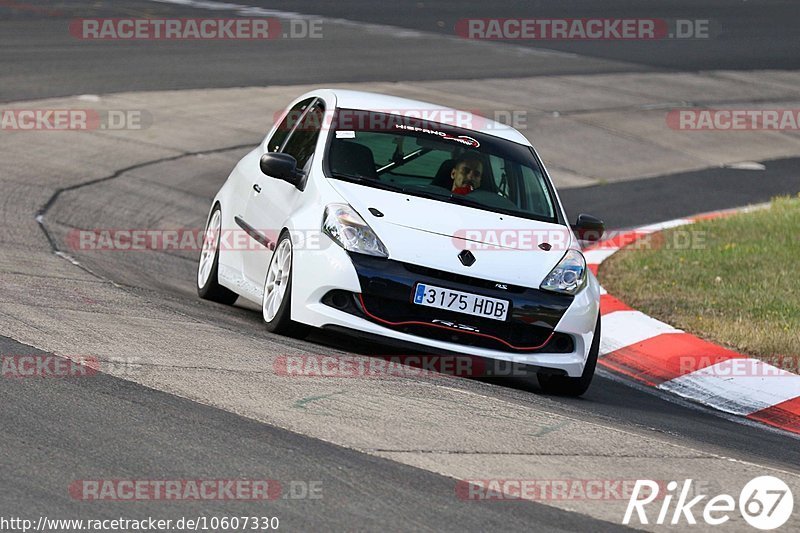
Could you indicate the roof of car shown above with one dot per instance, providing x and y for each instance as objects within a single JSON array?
[{"x": 348, "y": 99}]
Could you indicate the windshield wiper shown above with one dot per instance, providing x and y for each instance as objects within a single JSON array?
[
  {"x": 446, "y": 195},
  {"x": 371, "y": 182},
  {"x": 455, "y": 198},
  {"x": 469, "y": 202},
  {"x": 463, "y": 200}
]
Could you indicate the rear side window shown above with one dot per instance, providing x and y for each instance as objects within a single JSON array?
[
  {"x": 303, "y": 139},
  {"x": 287, "y": 124}
]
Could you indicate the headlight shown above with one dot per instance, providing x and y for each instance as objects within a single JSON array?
[
  {"x": 569, "y": 275},
  {"x": 346, "y": 227}
]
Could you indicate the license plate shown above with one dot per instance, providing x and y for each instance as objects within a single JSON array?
[{"x": 461, "y": 302}]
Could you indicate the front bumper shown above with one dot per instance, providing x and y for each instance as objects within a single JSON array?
[
  {"x": 385, "y": 298},
  {"x": 372, "y": 295}
]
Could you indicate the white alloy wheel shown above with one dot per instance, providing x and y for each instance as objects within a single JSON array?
[
  {"x": 277, "y": 280},
  {"x": 209, "y": 251}
]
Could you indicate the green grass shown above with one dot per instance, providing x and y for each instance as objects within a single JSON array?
[{"x": 737, "y": 283}]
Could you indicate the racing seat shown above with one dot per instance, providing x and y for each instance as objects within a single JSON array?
[
  {"x": 442, "y": 178},
  {"x": 352, "y": 159}
]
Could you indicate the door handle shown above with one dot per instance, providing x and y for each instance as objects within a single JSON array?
[{"x": 257, "y": 187}]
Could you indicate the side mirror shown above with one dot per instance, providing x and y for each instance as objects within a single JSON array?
[
  {"x": 282, "y": 167},
  {"x": 589, "y": 228}
]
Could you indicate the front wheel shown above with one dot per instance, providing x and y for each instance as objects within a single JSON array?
[
  {"x": 276, "y": 304},
  {"x": 208, "y": 286},
  {"x": 567, "y": 386}
]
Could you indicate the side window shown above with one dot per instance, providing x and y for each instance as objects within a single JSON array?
[
  {"x": 303, "y": 139},
  {"x": 292, "y": 117},
  {"x": 538, "y": 199}
]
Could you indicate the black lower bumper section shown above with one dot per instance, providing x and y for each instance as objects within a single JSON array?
[
  {"x": 487, "y": 369},
  {"x": 386, "y": 298}
]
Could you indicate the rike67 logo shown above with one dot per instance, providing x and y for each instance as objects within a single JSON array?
[{"x": 765, "y": 503}]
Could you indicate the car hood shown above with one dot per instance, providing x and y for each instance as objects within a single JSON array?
[{"x": 432, "y": 233}]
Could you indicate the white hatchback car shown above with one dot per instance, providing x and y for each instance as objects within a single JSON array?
[{"x": 392, "y": 218}]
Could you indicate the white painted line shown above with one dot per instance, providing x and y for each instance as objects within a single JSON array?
[
  {"x": 669, "y": 396},
  {"x": 738, "y": 386},
  {"x": 595, "y": 257},
  {"x": 624, "y": 328},
  {"x": 652, "y": 228},
  {"x": 746, "y": 165}
]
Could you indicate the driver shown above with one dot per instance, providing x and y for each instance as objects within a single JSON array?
[{"x": 466, "y": 173}]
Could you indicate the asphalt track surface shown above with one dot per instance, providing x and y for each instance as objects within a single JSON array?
[
  {"x": 55, "y": 431},
  {"x": 649, "y": 201},
  {"x": 120, "y": 427},
  {"x": 412, "y": 41}
]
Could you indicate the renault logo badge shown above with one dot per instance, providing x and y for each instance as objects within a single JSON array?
[{"x": 466, "y": 258}]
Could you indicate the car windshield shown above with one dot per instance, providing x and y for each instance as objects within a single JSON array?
[{"x": 440, "y": 162}]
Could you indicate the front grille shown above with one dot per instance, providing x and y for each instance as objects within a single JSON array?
[{"x": 459, "y": 278}]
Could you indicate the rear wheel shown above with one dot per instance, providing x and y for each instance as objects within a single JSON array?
[
  {"x": 208, "y": 286},
  {"x": 276, "y": 304},
  {"x": 567, "y": 386}
]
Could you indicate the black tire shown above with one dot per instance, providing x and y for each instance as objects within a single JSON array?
[
  {"x": 282, "y": 323},
  {"x": 211, "y": 289},
  {"x": 566, "y": 386}
]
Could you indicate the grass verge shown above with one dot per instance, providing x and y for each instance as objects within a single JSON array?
[{"x": 734, "y": 280}]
